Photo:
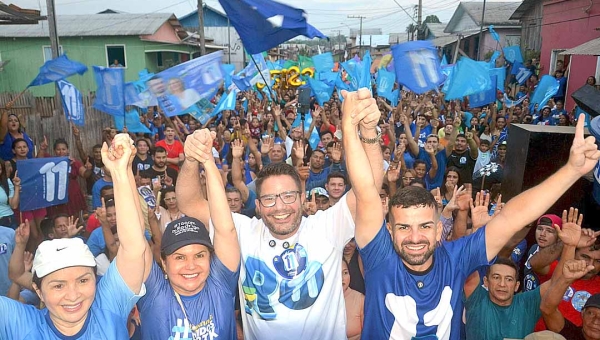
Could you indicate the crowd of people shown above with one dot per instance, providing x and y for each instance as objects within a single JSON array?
[{"x": 384, "y": 228}]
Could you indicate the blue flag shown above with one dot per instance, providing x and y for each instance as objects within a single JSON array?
[
  {"x": 351, "y": 69},
  {"x": 417, "y": 66},
  {"x": 484, "y": 97},
  {"x": 203, "y": 111},
  {"x": 521, "y": 72},
  {"x": 469, "y": 77},
  {"x": 323, "y": 62},
  {"x": 110, "y": 95},
  {"x": 510, "y": 103},
  {"x": 444, "y": 61},
  {"x": 500, "y": 74},
  {"x": 44, "y": 182},
  {"x": 180, "y": 87},
  {"x": 364, "y": 72},
  {"x": 321, "y": 90},
  {"x": 329, "y": 77},
  {"x": 493, "y": 58},
  {"x": 227, "y": 102},
  {"x": 132, "y": 121},
  {"x": 57, "y": 69},
  {"x": 385, "y": 84},
  {"x": 494, "y": 34},
  {"x": 264, "y": 24},
  {"x": 513, "y": 54},
  {"x": 547, "y": 87},
  {"x": 251, "y": 75},
  {"x": 341, "y": 85},
  {"x": 228, "y": 71},
  {"x": 447, "y": 72},
  {"x": 72, "y": 102}
]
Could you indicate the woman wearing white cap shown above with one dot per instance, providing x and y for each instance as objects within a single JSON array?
[{"x": 64, "y": 273}]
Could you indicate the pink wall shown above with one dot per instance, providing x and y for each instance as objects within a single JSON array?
[
  {"x": 166, "y": 33},
  {"x": 566, "y": 25},
  {"x": 490, "y": 44}
]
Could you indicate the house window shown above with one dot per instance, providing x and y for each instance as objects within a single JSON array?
[
  {"x": 48, "y": 52},
  {"x": 115, "y": 56},
  {"x": 554, "y": 58},
  {"x": 513, "y": 40}
]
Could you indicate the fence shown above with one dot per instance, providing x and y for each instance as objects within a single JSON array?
[{"x": 44, "y": 116}]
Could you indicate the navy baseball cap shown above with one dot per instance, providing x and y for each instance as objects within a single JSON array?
[
  {"x": 593, "y": 301},
  {"x": 183, "y": 232}
]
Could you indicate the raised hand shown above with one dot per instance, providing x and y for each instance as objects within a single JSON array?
[
  {"x": 570, "y": 233},
  {"x": 16, "y": 180},
  {"x": 393, "y": 174},
  {"x": 119, "y": 156},
  {"x": 76, "y": 132},
  {"x": 438, "y": 197},
  {"x": 72, "y": 228},
  {"x": 336, "y": 153},
  {"x": 198, "y": 146},
  {"x": 303, "y": 172},
  {"x": 44, "y": 144},
  {"x": 360, "y": 108},
  {"x": 458, "y": 194},
  {"x": 584, "y": 152},
  {"x": 267, "y": 145},
  {"x": 310, "y": 207},
  {"x": 588, "y": 238},
  {"x": 22, "y": 234},
  {"x": 399, "y": 152},
  {"x": 464, "y": 201},
  {"x": 299, "y": 149},
  {"x": 101, "y": 214},
  {"x": 499, "y": 205},
  {"x": 237, "y": 149},
  {"x": 168, "y": 180},
  {"x": 576, "y": 269},
  {"x": 27, "y": 261},
  {"x": 479, "y": 211},
  {"x": 430, "y": 150}
]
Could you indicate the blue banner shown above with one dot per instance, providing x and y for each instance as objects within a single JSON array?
[
  {"x": 547, "y": 87},
  {"x": 329, "y": 77},
  {"x": 341, "y": 85},
  {"x": 264, "y": 24},
  {"x": 493, "y": 58},
  {"x": 385, "y": 84},
  {"x": 484, "y": 97},
  {"x": 110, "y": 95},
  {"x": 444, "y": 61},
  {"x": 227, "y": 102},
  {"x": 133, "y": 123},
  {"x": 180, "y": 87},
  {"x": 203, "y": 111},
  {"x": 513, "y": 54},
  {"x": 321, "y": 90},
  {"x": 72, "y": 102},
  {"x": 58, "y": 69},
  {"x": 469, "y": 77},
  {"x": 44, "y": 182},
  {"x": 417, "y": 66}
]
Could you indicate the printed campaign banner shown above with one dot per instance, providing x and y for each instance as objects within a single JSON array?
[{"x": 44, "y": 182}]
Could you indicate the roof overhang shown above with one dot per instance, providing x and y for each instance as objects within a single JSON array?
[
  {"x": 14, "y": 15},
  {"x": 591, "y": 47}
]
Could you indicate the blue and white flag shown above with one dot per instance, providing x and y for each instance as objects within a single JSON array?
[
  {"x": 72, "y": 102},
  {"x": 417, "y": 66},
  {"x": 484, "y": 97},
  {"x": 44, "y": 182},
  {"x": 510, "y": 103},
  {"x": 322, "y": 91},
  {"x": 546, "y": 89},
  {"x": 110, "y": 95},
  {"x": 203, "y": 111},
  {"x": 227, "y": 102},
  {"x": 500, "y": 73},
  {"x": 513, "y": 54},
  {"x": 58, "y": 69},
  {"x": 385, "y": 84},
  {"x": 522, "y": 73},
  {"x": 469, "y": 77},
  {"x": 264, "y": 24},
  {"x": 228, "y": 71},
  {"x": 132, "y": 121},
  {"x": 180, "y": 87},
  {"x": 351, "y": 67},
  {"x": 251, "y": 74}
]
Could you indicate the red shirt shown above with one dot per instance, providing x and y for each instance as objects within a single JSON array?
[
  {"x": 92, "y": 223},
  {"x": 173, "y": 151}
]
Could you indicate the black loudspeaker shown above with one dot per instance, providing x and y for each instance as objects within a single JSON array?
[
  {"x": 535, "y": 152},
  {"x": 588, "y": 99}
]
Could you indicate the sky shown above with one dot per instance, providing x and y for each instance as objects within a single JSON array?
[{"x": 329, "y": 16}]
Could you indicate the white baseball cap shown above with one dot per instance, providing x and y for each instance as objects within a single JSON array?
[{"x": 61, "y": 253}]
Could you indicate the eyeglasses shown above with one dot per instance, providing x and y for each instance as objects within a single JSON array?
[
  {"x": 287, "y": 197},
  {"x": 407, "y": 178}
]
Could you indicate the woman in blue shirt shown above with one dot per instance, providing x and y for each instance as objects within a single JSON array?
[{"x": 11, "y": 131}]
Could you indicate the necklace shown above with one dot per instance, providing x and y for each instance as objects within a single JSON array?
[
  {"x": 169, "y": 149},
  {"x": 171, "y": 216},
  {"x": 193, "y": 327}
]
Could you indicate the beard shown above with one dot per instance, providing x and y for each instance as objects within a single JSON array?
[
  {"x": 282, "y": 229},
  {"x": 414, "y": 260}
]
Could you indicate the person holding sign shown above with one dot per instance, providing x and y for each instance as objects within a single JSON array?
[{"x": 64, "y": 275}]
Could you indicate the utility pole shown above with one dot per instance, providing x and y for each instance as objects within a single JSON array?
[
  {"x": 201, "y": 27},
  {"x": 419, "y": 18},
  {"x": 360, "y": 31},
  {"x": 53, "y": 33},
  {"x": 339, "y": 40},
  {"x": 479, "y": 54},
  {"x": 229, "y": 38}
]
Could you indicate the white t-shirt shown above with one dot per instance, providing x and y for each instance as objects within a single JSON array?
[{"x": 294, "y": 293}]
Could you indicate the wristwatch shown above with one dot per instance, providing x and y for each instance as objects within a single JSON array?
[{"x": 371, "y": 140}]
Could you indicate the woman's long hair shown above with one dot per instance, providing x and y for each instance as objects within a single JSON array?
[{"x": 458, "y": 184}]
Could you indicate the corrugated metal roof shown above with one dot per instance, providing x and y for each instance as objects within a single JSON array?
[
  {"x": 93, "y": 25},
  {"x": 450, "y": 39},
  {"x": 496, "y": 13},
  {"x": 436, "y": 29},
  {"x": 591, "y": 47}
]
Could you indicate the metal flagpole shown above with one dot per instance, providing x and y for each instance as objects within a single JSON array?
[{"x": 261, "y": 75}]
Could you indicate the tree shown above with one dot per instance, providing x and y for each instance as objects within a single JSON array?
[
  {"x": 432, "y": 19},
  {"x": 411, "y": 29}
]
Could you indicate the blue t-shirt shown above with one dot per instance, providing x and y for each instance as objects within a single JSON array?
[
  {"x": 440, "y": 156},
  {"x": 401, "y": 304},
  {"x": 426, "y": 131},
  {"x": 107, "y": 317},
  {"x": 6, "y": 152},
  {"x": 7, "y": 245},
  {"x": 97, "y": 244},
  {"x": 96, "y": 199},
  {"x": 212, "y": 308}
]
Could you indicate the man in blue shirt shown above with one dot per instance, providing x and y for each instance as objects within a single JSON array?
[{"x": 409, "y": 295}]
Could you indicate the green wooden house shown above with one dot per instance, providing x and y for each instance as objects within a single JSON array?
[{"x": 153, "y": 41}]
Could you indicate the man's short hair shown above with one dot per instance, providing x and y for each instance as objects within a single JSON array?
[
  {"x": 323, "y": 133},
  {"x": 233, "y": 189},
  {"x": 146, "y": 174},
  {"x": 276, "y": 169},
  {"x": 318, "y": 150},
  {"x": 461, "y": 135},
  {"x": 336, "y": 174},
  {"x": 104, "y": 189},
  {"x": 485, "y": 141},
  {"x": 410, "y": 196},
  {"x": 433, "y": 135},
  {"x": 159, "y": 149},
  {"x": 504, "y": 261}
]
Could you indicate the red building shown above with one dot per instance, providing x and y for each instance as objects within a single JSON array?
[{"x": 567, "y": 24}]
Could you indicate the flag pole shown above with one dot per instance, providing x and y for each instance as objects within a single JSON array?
[
  {"x": 261, "y": 75},
  {"x": 10, "y": 104}
]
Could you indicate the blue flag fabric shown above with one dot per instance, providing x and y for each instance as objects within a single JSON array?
[
  {"x": 180, "y": 87},
  {"x": 351, "y": 69},
  {"x": 493, "y": 58},
  {"x": 513, "y": 54},
  {"x": 323, "y": 62},
  {"x": 228, "y": 71},
  {"x": 469, "y": 77},
  {"x": 227, "y": 102},
  {"x": 547, "y": 87},
  {"x": 500, "y": 73},
  {"x": 132, "y": 121},
  {"x": 44, "y": 182},
  {"x": 447, "y": 72},
  {"x": 329, "y": 77},
  {"x": 58, "y": 69},
  {"x": 510, "y": 103},
  {"x": 341, "y": 85},
  {"x": 203, "y": 111},
  {"x": 484, "y": 97},
  {"x": 521, "y": 72},
  {"x": 264, "y": 24},
  {"x": 321, "y": 90},
  {"x": 364, "y": 72},
  {"x": 444, "y": 61},
  {"x": 72, "y": 102},
  {"x": 385, "y": 84},
  {"x": 251, "y": 75},
  {"x": 417, "y": 66},
  {"x": 110, "y": 95},
  {"x": 494, "y": 34}
]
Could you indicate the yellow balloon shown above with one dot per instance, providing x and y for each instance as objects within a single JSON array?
[
  {"x": 308, "y": 72},
  {"x": 294, "y": 76}
]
